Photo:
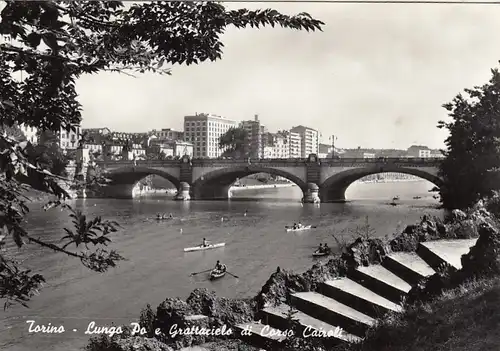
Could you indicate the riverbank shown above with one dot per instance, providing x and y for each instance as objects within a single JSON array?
[{"x": 363, "y": 251}]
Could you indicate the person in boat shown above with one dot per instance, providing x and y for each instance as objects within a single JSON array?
[
  {"x": 205, "y": 243},
  {"x": 294, "y": 226},
  {"x": 320, "y": 249},
  {"x": 220, "y": 267},
  {"x": 170, "y": 216},
  {"x": 326, "y": 249},
  {"x": 299, "y": 225}
]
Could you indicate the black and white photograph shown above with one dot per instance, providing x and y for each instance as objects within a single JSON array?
[{"x": 249, "y": 176}]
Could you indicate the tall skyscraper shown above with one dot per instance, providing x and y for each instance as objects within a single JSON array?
[
  {"x": 204, "y": 130},
  {"x": 309, "y": 140}
]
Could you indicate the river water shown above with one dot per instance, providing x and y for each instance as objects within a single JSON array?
[{"x": 158, "y": 268}]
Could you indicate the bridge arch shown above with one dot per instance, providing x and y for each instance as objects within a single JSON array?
[
  {"x": 216, "y": 184},
  {"x": 333, "y": 189},
  {"x": 124, "y": 179}
]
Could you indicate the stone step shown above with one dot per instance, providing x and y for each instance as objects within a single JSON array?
[
  {"x": 449, "y": 252},
  {"x": 332, "y": 312},
  {"x": 381, "y": 281},
  {"x": 309, "y": 326},
  {"x": 408, "y": 266},
  {"x": 355, "y": 295},
  {"x": 261, "y": 335}
]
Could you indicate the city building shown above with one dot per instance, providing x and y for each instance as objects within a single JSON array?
[
  {"x": 69, "y": 140},
  {"x": 419, "y": 151},
  {"x": 309, "y": 140},
  {"x": 97, "y": 131},
  {"x": 31, "y": 133},
  {"x": 276, "y": 145},
  {"x": 177, "y": 148},
  {"x": 167, "y": 134},
  {"x": 255, "y": 131},
  {"x": 295, "y": 145},
  {"x": 204, "y": 131},
  {"x": 437, "y": 154},
  {"x": 136, "y": 138}
]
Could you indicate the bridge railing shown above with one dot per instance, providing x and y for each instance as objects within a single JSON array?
[{"x": 291, "y": 161}]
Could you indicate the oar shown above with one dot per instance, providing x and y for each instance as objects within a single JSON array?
[
  {"x": 232, "y": 274},
  {"x": 208, "y": 270}
]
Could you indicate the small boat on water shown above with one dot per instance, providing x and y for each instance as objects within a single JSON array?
[
  {"x": 417, "y": 197},
  {"x": 201, "y": 247},
  {"x": 217, "y": 274},
  {"x": 320, "y": 253},
  {"x": 304, "y": 227},
  {"x": 393, "y": 203}
]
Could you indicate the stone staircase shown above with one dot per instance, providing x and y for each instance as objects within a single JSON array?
[{"x": 353, "y": 303}]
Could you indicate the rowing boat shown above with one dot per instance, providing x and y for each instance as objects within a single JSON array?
[
  {"x": 216, "y": 274},
  {"x": 291, "y": 229},
  {"x": 201, "y": 247},
  {"x": 319, "y": 254}
]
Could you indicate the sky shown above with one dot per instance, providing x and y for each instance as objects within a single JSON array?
[{"x": 376, "y": 77}]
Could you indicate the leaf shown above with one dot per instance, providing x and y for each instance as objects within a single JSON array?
[
  {"x": 34, "y": 39},
  {"x": 51, "y": 41}
]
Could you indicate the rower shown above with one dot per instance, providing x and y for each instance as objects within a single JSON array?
[
  {"x": 320, "y": 248},
  {"x": 245, "y": 214},
  {"x": 170, "y": 216},
  {"x": 299, "y": 225},
  {"x": 219, "y": 266},
  {"x": 295, "y": 226},
  {"x": 326, "y": 249},
  {"x": 205, "y": 243}
]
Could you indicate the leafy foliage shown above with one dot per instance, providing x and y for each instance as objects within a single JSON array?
[
  {"x": 48, "y": 155},
  {"x": 472, "y": 158},
  {"x": 235, "y": 143},
  {"x": 48, "y": 45}
]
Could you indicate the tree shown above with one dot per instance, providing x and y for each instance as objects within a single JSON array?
[
  {"x": 473, "y": 146},
  {"x": 48, "y": 155},
  {"x": 235, "y": 143},
  {"x": 84, "y": 38},
  {"x": 13, "y": 131}
]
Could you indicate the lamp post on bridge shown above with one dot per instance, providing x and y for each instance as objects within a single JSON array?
[{"x": 332, "y": 139}]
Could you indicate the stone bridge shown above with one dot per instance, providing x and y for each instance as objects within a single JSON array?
[{"x": 324, "y": 180}]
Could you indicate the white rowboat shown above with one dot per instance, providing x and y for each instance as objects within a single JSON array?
[
  {"x": 201, "y": 248},
  {"x": 306, "y": 227}
]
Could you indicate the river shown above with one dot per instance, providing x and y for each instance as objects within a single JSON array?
[{"x": 158, "y": 268}]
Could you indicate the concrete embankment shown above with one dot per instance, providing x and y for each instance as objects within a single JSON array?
[{"x": 263, "y": 186}]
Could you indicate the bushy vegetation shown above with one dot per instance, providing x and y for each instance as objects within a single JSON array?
[{"x": 470, "y": 170}]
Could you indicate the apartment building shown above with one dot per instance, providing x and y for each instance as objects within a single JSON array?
[
  {"x": 167, "y": 134},
  {"x": 255, "y": 139},
  {"x": 276, "y": 145},
  {"x": 309, "y": 140},
  {"x": 295, "y": 145},
  {"x": 204, "y": 130},
  {"x": 31, "y": 133},
  {"x": 419, "y": 151},
  {"x": 172, "y": 148},
  {"x": 69, "y": 140}
]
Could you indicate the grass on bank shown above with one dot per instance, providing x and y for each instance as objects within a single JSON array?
[{"x": 463, "y": 319}]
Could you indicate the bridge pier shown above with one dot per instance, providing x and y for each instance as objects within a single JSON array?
[
  {"x": 333, "y": 194},
  {"x": 311, "y": 195},
  {"x": 183, "y": 192}
]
